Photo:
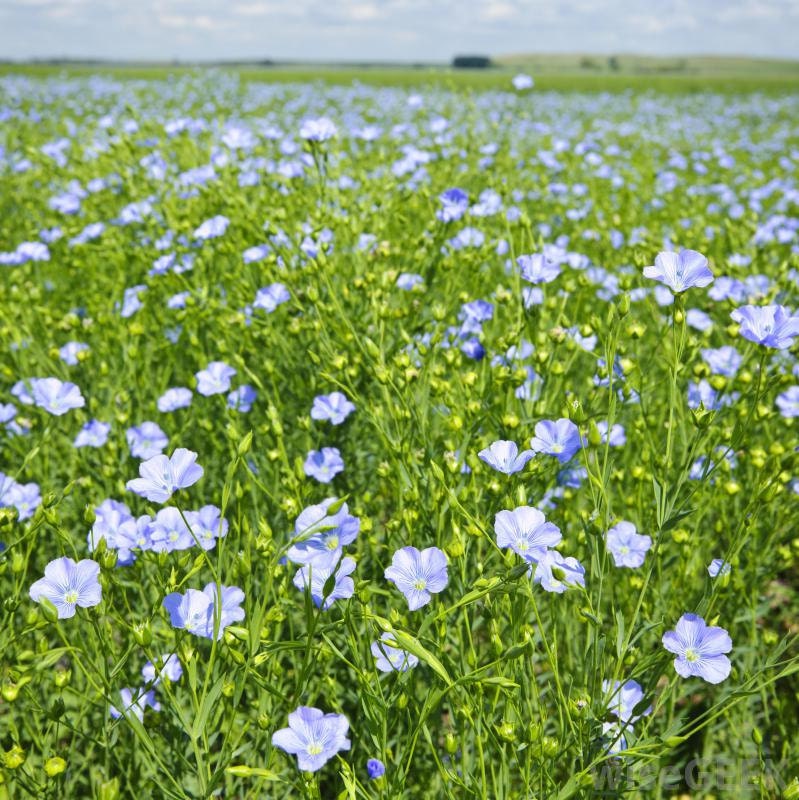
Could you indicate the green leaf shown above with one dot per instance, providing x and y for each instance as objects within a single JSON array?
[
  {"x": 201, "y": 720},
  {"x": 412, "y": 645}
]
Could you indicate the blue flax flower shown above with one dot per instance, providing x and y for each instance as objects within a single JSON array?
[
  {"x": 167, "y": 666},
  {"x": 771, "y": 326},
  {"x": 67, "y": 584},
  {"x": 194, "y": 611},
  {"x": 718, "y": 566},
  {"x": 318, "y": 130},
  {"x": 173, "y": 399},
  {"x": 316, "y": 574},
  {"x": 699, "y": 648},
  {"x": 521, "y": 82},
  {"x": 241, "y": 399},
  {"x": 319, "y": 534},
  {"x": 25, "y": 497},
  {"x": 526, "y": 531},
  {"x": 680, "y": 271},
  {"x": 215, "y": 378},
  {"x": 556, "y": 573},
  {"x": 559, "y": 438},
  {"x": 537, "y": 268},
  {"x": 624, "y": 699},
  {"x": 375, "y": 768},
  {"x": 454, "y": 203},
  {"x": 212, "y": 228},
  {"x": 146, "y": 440},
  {"x": 323, "y": 464},
  {"x": 56, "y": 397},
  {"x": 313, "y": 736},
  {"x": 334, "y": 407},
  {"x": 168, "y": 532},
  {"x": 724, "y": 360},
  {"x": 505, "y": 457},
  {"x": 161, "y": 476},
  {"x": 270, "y": 297},
  {"x": 93, "y": 434},
  {"x": 134, "y": 701},
  {"x": 627, "y": 547},
  {"x": 788, "y": 402},
  {"x": 418, "y": 575},
  {"x": 207, "y": 526},
  {"x": 69, "y": 352}
]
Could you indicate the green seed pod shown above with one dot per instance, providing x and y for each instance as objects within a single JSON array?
[{"x": 54, "y": 766}]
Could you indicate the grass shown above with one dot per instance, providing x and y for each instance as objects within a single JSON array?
[{"x": 563, "y": 75}]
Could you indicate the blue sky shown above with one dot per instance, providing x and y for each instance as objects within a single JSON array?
[{"x": 393, "y": 29}]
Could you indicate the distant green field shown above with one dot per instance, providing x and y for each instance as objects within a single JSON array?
[
  {"x": 557, "y": 73},
  {"x": 701, "y": 66}
]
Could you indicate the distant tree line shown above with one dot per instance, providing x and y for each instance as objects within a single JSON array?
[{"x": 472, "y": 62}]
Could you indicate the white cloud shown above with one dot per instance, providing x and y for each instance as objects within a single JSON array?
[{"x": 413, "y": 30}]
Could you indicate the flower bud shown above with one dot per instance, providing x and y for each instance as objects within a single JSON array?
[
  {"x": 48, "y": 610},
  {"x": 142, "y": 634},
  {"x": 245, "y": 444}
]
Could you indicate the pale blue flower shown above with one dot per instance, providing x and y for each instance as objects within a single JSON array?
[
  {"x": 526, "y": 531},
  {"x": 93, "y": 434},
  {"x": 161, "y": 476},
  {"x": 312, "y": 736},
  {"x": 270, "y": 297},
  {"x": 215, "y": 378},
  {"x": 168, "y": 532},
  {"x": 69, "y": 352},
  {"x": 628, "y": 547},
  {"x": 146, "y": 440},
  {"x": 319, "y": 534},
  {"x": 167, "y": 666},
  {"x": 718, "y": 566},
  {"x": 134, "y": 701},
  {"x": 55, "y": 396},
  {"x": 194, "y": 610},
  {"x": 505, "y": 457},
  {"x": 559, "y": 438},
  {"x": 241, "y": 399},
  {"x": 771, "y": 326},
  {"x": 418, "y": 575},
  {"x": 557, "y": 574},
  {"x": 334, "y": 407},
  {"x": 680, "y": 271},
  {"x": 316, "y": 575},
  {"x": 323, "y": 464},
  {"x": 700, "y": 649},
  {"x": 212, "y": 228},
  {"x": 173, "y": 399},
  {"x": 318, "y": 130},
  {"x": 537, "y": 268},
  {"x": 624, "y": 699},
  {"x": 788, "y": 402},
  {"x": 67, "y": 585}
]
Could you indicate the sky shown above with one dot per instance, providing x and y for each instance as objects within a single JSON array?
[{"x": 392, "y": 30}]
